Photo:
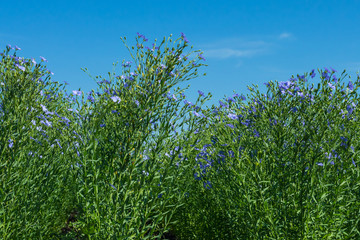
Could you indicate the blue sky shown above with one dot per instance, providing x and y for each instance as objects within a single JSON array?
[{"x": 244, "y": 42}]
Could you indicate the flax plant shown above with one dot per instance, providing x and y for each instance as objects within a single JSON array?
[
  {"x": 100, "y": 170},
  {"x": 283, "y": 167},
  {"x": 36, "y": 182}
]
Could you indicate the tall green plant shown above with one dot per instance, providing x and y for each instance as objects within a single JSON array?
[
  {"x": 36, "y": 182},
  {"x": 117, "y": 192},
  {"x": 285, "y": 167}
]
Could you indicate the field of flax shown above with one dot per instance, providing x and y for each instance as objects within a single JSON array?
[{"x": 128, "y": 164}]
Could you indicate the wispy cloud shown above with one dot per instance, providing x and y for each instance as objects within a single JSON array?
[
  {"x": 234, "y": 47},
  {"x": 229, "y": 52},
  {"x": 241, "y": 47},
  {"x": 285, "y": 35}
]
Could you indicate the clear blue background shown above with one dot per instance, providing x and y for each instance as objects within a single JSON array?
[{"x": 244, "y": 42}]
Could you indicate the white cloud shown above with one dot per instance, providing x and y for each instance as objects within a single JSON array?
[
  {"x": 229, "y": 52},
  {"x": 241, "y": 47},
  {"x": 233, "y": 48},
  {"x": 284, "y": 35},
  {"x": 235, "y": 43}
]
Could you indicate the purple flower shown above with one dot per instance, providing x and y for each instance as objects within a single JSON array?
[
  {"x": 47, "y": 123},
  {"x": 325, "y": 75},
  {"x": 20, "y": 67},
  {"x": 90, "y": 98},
  {"x": 197, "y": 114},
  {"x": 127, "y": 64},
  {"x": 116, "y": 99},
  {"x": 207, "y": 184},
  {"x": 232, "y": 116},
  {"x": 222, "y": 104},
  {"x": 350, "y": 109},
  {"x": 200, "y": 93},
  {"x": 76, "y": 92},
  {"x": 140, "y": 35},
  {"x": 335, "y": 79},
  {"x": 187, "y": 102},
  {"x": 184, "y": 37},
  {"x": 285, "y": 85},
  {"x": 300, "y": 94},
  {"x": 201, "y": 57},
  {"x": 17, "y": 48},
  {"x": 350, "y": 86},
  {"x": 302, "y": 77},
  {"x": 312, "y": 74},
  {"x": 154, "y": 46},
  {"x": 230, "y": 99},
  {"x": 11, "y": 143},
  {"x": 196, "y": 176},
  {"x": 330, "y": 85},
  {"x": 112, "y": 186},
  {"x": 43, "y": 59}
]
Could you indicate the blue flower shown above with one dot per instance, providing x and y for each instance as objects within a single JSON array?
[
  {"x": 112, "y": 186},
  {"x": 43, "y": 59},
  {"x": 230, "y": 125},
  {"x": 207, "y": 184},
  {"x": 11, "y": 143},
  {"x": 223, "y": 104},
  {"x": 330, "y": 85},
  {"x": 76, "y": 92},
  {"x": 325, "y": 75},
  {"x": 201, "y": 57},
  {"x": 116, "y": 99},
  {"x": 20, "y": 67},
  {"x": 184, "y": 37},
  {"x": 350, "y": 86},
  {"x": 312, "y": 74},
  {"x": 232, "y": 116},
  {"x": 196, "y": 176}
]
